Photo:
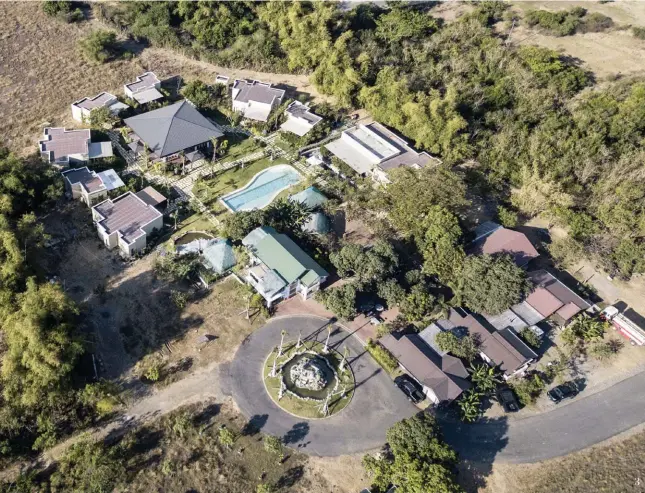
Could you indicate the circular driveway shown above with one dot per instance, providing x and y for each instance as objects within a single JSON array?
[{"x": 377, "y": 403}]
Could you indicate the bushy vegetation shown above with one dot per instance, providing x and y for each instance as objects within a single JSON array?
[
  {"x": 42, "y": 389},
  {"x": 63, "y": 9},
  {"x": 638, "y": 32},
  {"x": 568, "y": 22},
  {"x": 517, "y": 111},
  {"x": 382, "y": 356},
  {"x": 99, "y": 46},
  {"x": 415, "y": 459}
]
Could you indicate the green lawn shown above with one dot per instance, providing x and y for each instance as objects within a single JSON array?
[{"x": 239, "y": 146}]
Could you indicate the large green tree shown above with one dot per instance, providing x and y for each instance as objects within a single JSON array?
[
  {"x": 492, "y": 283},
  {"x": 418, "y": 460}
]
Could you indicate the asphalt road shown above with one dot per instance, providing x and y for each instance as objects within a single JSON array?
[
  {"x": 377, "y": 403},
  {"x": 569, "y": 428}
]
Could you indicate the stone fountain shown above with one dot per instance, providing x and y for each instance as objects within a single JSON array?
[{"x": 308, "y": 373}]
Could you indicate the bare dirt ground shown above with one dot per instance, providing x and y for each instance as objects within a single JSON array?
[
  {"x": 608, "y": 53},
  {"x": 615, "y": 466}
]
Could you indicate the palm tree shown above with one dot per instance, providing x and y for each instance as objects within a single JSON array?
[{"x": 326, "y": 348}]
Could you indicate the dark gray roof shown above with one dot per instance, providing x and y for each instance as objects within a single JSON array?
[
  {"x": 173, "y": 128},
  {"x": 256, "y": 91}
]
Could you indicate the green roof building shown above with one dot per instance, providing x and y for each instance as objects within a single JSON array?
[{"x": 279, "y": 268}]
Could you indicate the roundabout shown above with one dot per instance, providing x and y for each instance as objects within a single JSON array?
[
  {"x": 309, "y": 379},
  {"x": 353, "y": 423}
]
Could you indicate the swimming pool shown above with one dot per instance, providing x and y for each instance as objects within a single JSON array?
[{"x": 262, "y": 189}]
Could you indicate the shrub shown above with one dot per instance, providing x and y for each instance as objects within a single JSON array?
[
  {"x": 57, "y": 8},
  {"x": 528, "y": 389},
  {"x": 605, "y": 351},
  {"x": 595, "y": 23},
  {"x": 529, "y": 337},
  {"x": 383, "y": 357},
  {"x": 639, "y": 32},
  {"x": 466, "y": 347},
  {"x": 507, "y": 217},
  {"x": 179, "y": 298},
  {"x": 99, "y": 46},
  {"x": 561, "y": 23}
]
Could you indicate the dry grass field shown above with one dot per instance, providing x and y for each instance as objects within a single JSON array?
[
  {"x": 616, "y": 467},
  {"x": 606, "y": 54},
  {"x": 42, "y": 73}
]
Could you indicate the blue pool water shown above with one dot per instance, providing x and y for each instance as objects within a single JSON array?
[{"x": 262, "y": 188}]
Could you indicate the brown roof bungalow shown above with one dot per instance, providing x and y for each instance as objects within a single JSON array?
[
  {"x": 491, "y": 238},
  {"x": 501, "y": 348},
  {"x": 443, "y": 377}
]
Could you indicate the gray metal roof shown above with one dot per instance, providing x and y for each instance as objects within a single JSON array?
[
  {"x": 219, "y": 255},
  {"x": 311, "y": 197},
  {"x": 173, "y": 128}
]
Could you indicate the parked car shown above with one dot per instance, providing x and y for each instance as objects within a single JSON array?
[
  {"x": 409, "y": 388},
  {"x": 567, "y": 390},
  {"x": 507, "y": 399}
]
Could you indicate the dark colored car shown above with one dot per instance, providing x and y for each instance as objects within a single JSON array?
[
  {"x": 561, "y": 392},
  {"x": 507, "y": 399},
  {"x": 409, "y": 388}
]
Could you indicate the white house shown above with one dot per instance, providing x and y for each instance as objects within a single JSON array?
[
  {"x": 144, "y": 89},
  {"x": 255, "y": 99},
  {"x": 374, "y": 150},
  {"x": 125, "y": 222},
  {"x": 299, "y": 119},
  {"x": 279, "y": 268},
  {"x": 89, "y": 186},
  {"x": 62, "y": 147},
  {"x": 82, "y": 108}
]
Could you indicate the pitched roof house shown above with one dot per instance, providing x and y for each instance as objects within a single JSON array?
[
  {"x": 172, "y": 129},
  {"x": 442, "y": 376},
  {"x": 374, "y": 150},
  {"x": 82, "y": 108},
  {"x": 299, "y": 119},
  {"x": 125, "y": 222},
  {"x": 280, "y": 268},
  {"x": 501, "y": 348},
  {"x": 144, "y": 89},
  {"x": 549, "y": 299},
  {"x": 491, "y": 240},
  {"x": 255, "y": 99},
  {"x": 89, "y": 186},
  {"x": 62, "y": 147}
]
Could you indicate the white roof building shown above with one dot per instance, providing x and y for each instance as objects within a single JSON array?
[
  {"x": 62, "y": 147},
  {"x": 375, "y": 150},
  {"x": 144, "y": 89},
  {"x": 299, "y": 119},
  {"x": 255, "y": 99}
]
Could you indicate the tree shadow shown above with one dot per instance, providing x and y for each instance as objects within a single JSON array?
[
  {"x": 478, "y": 444},
  {"x": 290, "y": 478},
  {"x": 297, "y": 433},
  {"x": 255, "y": 424},
  {"x": 205, "y": 416}
]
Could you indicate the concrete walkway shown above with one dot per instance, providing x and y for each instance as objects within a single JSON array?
[{"x": 377, "y": 403}]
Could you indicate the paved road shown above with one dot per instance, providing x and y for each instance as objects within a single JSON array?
[
  {"x": 566, "y": 429},
  {"x": 377, "y": 404}
]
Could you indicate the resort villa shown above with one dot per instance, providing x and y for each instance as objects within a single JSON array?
[
  {"x": 144, "y": 89},
  {"x": 255, "y": 99},
  {"x": 63, "y": 147},
  {"x": 89, "y": 186},
  {"x": 279, "y": 268},
  {"x": 170, "y": 132},
  {"x": 126, "y": 221},
  {"x": 374, "y": 150},
  {"x": 299, "y": 119},
  {"x": 82, "y": 108}
]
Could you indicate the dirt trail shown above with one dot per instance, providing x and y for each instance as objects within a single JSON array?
[{"x": 200, "y": 385}]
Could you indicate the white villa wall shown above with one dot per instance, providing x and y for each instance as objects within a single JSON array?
[{"x": 79, "y": 114}]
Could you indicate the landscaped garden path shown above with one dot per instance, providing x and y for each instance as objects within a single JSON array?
[{"x": 377, "y": 403}]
